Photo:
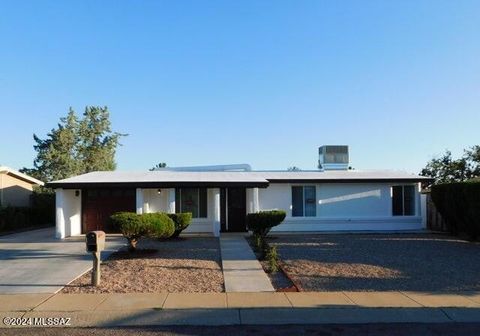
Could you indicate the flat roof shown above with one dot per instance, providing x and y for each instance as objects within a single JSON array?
[{"x": 213, "y": 179}]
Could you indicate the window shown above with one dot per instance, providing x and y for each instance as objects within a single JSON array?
[
  {"x": 403, "y": 200},
  {"x": 192, "y": 200},
  {"x": 304, "y": 203}
]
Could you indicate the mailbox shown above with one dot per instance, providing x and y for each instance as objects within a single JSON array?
[{"x": 95, "y": 241}]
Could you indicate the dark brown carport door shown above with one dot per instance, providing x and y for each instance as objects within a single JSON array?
[{"x": 99, "y": 204}]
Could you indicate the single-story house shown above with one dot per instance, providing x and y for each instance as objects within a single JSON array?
[
  {"x": 16, "y": 187},
  {"x": 322, "y": 200}
]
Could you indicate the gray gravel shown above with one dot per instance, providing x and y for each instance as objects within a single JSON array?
[{"x": 374, "y": 262}]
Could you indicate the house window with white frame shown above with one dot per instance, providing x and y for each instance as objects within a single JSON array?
[
  {"x": 304, "y": 201},
  {"x": 192, "y": 200},
  {"x": 403, "y": 200}
]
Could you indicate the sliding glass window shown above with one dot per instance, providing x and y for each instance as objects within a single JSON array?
[
  {"x": 192, "y": 200},
  {"x": 304, "y": 201}
]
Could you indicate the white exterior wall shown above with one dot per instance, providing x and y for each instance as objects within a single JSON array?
[
  {"x": 154, "y": 201},
  {"x": 165, "y": 202},
  {"x": 68, "y": 213},
  {"x": 341, "y": 206}
]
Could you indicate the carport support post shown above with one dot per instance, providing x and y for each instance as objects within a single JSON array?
[
  {"x": 59, "y": 216},
  {"x": 96, "y": 269},
  {"x": 139, "y": 200},
  {"x": 216, "y": 214},
  {"x": 171, "y": 200},
  {"x": 256, "y": 206}
]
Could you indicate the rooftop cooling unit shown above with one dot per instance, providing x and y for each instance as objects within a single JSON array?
[{"x": 333, "y": 157}]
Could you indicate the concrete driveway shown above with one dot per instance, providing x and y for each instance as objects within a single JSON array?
[{"x": 36, "y": 262}]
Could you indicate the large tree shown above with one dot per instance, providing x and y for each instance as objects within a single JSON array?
[
  {"x": 98, "y": 144},
  {"x": 446, "y": 169},
  {"x": 76, "y": 146}
]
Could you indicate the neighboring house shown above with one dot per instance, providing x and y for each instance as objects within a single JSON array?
[
  {"x": 16, "y": 188},
  {"x": 322, "y": 200}
]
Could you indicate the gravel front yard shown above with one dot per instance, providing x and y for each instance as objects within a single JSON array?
[
  {"x": 180, "y": 265},
  {"x": 373, "y": 262}
]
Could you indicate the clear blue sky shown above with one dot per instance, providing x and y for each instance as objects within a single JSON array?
[{"x": 262, "y": 82}]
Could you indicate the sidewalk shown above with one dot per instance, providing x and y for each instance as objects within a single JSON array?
[
  {"x": 241, "y": 270},
  {"x": 244, "y": 308}
]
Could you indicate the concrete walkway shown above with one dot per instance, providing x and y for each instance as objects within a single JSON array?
[
  {"x": 101, "y": 310},
  {"x": 241, "y": 270},
  {"x": 36, "y": 262}
]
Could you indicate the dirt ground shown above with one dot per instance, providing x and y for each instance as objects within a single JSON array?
[
  {"x": 374, "y": 262},
  {"x": 180, "y": 265}
]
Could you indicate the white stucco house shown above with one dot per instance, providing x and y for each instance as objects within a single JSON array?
[{"x": 332, "y": 198}]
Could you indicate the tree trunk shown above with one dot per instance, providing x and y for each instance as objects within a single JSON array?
[{"x": 132, "y": 244}]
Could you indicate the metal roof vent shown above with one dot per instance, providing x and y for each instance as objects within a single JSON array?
[{"x": 333, "y": 157}]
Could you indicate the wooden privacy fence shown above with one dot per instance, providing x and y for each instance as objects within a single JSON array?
[{"x": 435, "y": 221}]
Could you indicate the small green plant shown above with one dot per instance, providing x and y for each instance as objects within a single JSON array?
[
  {"x": 131, "y": 227},
  {"x": 158, "y": 224},
  {"x": 134, "y": 226},
  {"x": 272, "y": 258},
  {"x": 262, "y": 222},
  {"x": 181, "y": 220}
]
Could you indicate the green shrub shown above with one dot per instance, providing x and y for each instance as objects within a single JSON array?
[
  {"x": 262, "y": 222},
  {"x": 181, "y": 220},
  {"x": 272, "y": 258},
  {"x": 459, "y": 204},
  {"x": 131, "y": 226},
  {"x": 159, "y": 224}
]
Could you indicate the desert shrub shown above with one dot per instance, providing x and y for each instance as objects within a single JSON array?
[
  {"x": 131, "y": 226},
  {"x": 272, "y": 258},
  {"x": 158, "y": 224},
  {"x": 459, "y": 204},
  {"x": 262, "y": 222},
  {"x": 181, "y": 220}
]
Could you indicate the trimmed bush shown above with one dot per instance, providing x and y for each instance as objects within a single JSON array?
[
  {"x": 262, "y": 222},
  {"x": 181, "y": 220},
  {"x": 131, "y": 226},
  {"x": 159, "y": 224},
  {"x": 459, "y": 204}
]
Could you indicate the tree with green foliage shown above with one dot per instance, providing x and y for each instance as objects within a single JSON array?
[
  {"x": 446, "y": 169},
  {"x": 97, "y": 142},
  {"x": 76, "y": 146},
  {"x": 56, "y": 155},
  {"x": 158, "y": 166}
]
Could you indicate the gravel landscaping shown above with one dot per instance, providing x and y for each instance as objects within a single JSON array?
[
  {"x": 179, "y": 265},
  {"x": 374, "y": 262}
]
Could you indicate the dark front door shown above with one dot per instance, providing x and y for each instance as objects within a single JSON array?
[
  {"x": 99, "y": 204},
  {"x": 236, "y": 209}
]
